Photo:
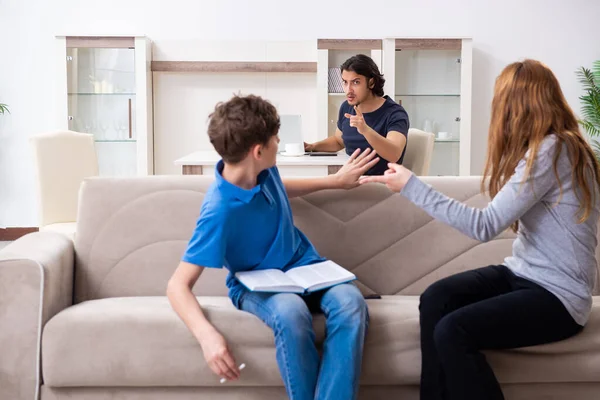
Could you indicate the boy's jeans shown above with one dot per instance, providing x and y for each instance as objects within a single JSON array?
[{"x": 289, "y": 315}]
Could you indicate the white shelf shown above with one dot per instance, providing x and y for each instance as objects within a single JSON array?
[
  {"x": 428, "y": 95},
  {"x": 115, "y": 140},
  {"x": 102, "y": 94}
]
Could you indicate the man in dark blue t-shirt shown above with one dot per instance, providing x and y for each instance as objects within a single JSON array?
[{"x": 367, "y": 119}]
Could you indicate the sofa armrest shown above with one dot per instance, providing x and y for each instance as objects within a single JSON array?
[{"x": 36, "y": 282}]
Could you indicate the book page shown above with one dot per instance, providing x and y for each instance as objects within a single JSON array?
[
  {"x": 268, "y": 280},
  {"x": 321, "y": 275}
]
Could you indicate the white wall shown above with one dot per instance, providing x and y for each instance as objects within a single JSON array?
[
  {"x": 563, "y": 34},
  {"x": 183, "y": 101}
]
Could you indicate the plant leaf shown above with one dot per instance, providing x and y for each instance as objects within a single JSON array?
[
  {"x": 592, "y": 130},
  {"x": 596, "y": 148},
  {"x": 596, "y": 72},
  {"x": 590, "y": 102},
  {"x": 586, "y": 78}
]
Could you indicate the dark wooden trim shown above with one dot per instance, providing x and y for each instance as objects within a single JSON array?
[
  {"x": 232, "y": 66},
  {"x": 428, "y": 44},
  {"x": 349, "y": 44},
  {"x": 15, "y": 233},
  {"x": 101, "y": 41},
  {"x": 192, "y": 169}
]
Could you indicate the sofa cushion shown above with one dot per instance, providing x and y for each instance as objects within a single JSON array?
[
  {"x": 140, "y": 341},
  {"x": 132, "y": 233}
]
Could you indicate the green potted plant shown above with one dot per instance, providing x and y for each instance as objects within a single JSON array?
[
  {"x": 4, "y": 109},
  {"x": 590, "y": 79}
]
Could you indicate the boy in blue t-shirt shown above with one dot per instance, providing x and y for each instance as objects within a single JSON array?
[{"x": 246, "y": 224}]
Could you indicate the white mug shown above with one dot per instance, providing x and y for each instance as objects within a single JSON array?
[{"x": 294, "y": 148}]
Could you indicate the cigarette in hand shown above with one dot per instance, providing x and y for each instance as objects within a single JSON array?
[{"x": 241, "y": 367}]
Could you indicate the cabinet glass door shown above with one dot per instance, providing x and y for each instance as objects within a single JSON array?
[
  {"x": 101, "y": 101},
  {"x": 428, "y": 86}
]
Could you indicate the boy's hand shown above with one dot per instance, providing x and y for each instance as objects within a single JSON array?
[
  {"x": 217, "y": 355},
  {"x": 394, "y": 178},
  {"x": 357, "y": 165}
]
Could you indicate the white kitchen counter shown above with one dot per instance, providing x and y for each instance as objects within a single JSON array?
[{"x": 203, "y": 163}]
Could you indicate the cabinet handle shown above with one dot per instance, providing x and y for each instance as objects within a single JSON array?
[{"x": 129, "y": 117}]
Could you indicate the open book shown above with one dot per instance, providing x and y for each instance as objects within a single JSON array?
[{"x": 309, "y": 278}]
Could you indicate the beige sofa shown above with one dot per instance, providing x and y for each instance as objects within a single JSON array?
[{"x": 93, "y": 321}]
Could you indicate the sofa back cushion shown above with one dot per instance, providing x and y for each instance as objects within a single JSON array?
[{"x": 132, "y": 232}]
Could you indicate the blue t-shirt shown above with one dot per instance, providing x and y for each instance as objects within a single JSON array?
[
  {"x": 245, "y": 230},
  {"x": 391, "y": 116}
]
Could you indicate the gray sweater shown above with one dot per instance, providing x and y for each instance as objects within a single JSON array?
[{"x": 551, "y": 248}]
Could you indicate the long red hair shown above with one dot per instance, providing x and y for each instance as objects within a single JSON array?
[{"x": 528, "y": 105}]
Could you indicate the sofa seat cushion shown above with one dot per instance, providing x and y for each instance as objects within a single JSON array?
[{"x": 140, "y": 341}]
